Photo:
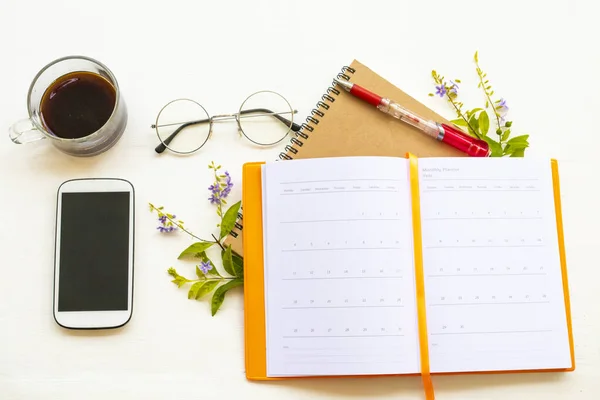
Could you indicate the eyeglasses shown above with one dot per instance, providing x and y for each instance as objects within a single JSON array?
[{"x": 183, "y": 126}]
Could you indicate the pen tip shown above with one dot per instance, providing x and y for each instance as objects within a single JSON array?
[{"x": 346, "y": 85}]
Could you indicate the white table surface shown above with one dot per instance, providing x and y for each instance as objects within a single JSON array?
[{"x": 543, "y": 57}]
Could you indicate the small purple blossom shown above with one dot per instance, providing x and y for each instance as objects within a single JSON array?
[
  {"x": 501, "y": 107},
  {"x": 454, "y": 87},
  {"x": 205, "y": 267},
  {"x": 228, "y": 185},
  {"x": 166, "y": 225},
  {"x": 441, "y": 90},
  {"x": 220, "y": 189}
]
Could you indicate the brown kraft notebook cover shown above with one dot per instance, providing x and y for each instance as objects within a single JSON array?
[{"x": 342, "y": 125}]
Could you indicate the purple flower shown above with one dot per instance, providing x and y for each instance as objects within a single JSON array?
[
  {"x": 501, "y": 107},
  {"x": 205, "y": 267},
  {"x": 454, "y": 87},
  {"x": 165, "y": 225},
  {"x": 214, "y": 199},
  {"x": 220, "y": 189},
  {"x": 228, "y": 185},
  {"x": 441, "y": 90}
]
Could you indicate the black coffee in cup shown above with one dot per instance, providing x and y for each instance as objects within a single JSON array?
[{"x": 77, "y": 104}]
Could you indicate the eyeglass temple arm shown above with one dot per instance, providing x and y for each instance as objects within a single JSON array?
[
  {"x": 295, "y": 126},
  {"x": 162, "y": 145}
]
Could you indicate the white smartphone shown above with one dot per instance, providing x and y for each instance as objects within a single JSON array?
[{"x": 93, "y": 261}]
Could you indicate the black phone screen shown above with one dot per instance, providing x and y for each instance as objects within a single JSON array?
[{"x": 94, "y": 251}]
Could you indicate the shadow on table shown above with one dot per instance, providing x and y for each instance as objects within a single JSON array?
[
  {"x": 90, "y": 332},
  {"x": 373, "y": 387}
]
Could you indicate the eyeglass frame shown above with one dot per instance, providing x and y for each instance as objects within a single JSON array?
[{"x": 224, "y": 117}]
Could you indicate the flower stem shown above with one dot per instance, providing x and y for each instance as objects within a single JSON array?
[
  {"x": 213, "y": 279},
  {"x": 217, "y": 242},
  {"x": 180, "y": 226},
  {"x": 219, "y": 206},
  {"x": 487, "y": 95},
  {"x": 489, "y": 99},
  {"x": 440, "y": 81},
  {"x": 462, "y": 116}
]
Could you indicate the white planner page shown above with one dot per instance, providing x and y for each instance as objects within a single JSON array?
[
  {"x": 493, "y": 277},
  {"x": 339, "y": 271}
]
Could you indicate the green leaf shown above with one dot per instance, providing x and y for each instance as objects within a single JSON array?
[
  {"x": 484, "y": 123},
  {"x": 505, "y": 135},
  {"x": 194, "y": 289},
  {"x": 518, "y": 153},
  {"x": 195, "y": 248},
  {"x": 180, "y": 281},
  {"x": 494, "y": 146},
  {"x": 228, "y": 261},
  {"x": 229, "y": 219},
  {"x": 473, "y": 111},
  {"x": 518, "y": 139},
  {"x": 238, "y": 264},
  {"x": 219, "y": 296},
  {"x": 516, "y": 147},
  {"x": 459, "y": 122},
  {"x": 474, "y": 123},
  {"x": 206, "y": 288}
]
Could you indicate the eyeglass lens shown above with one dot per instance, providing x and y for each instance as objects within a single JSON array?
[{"x": 183, "y": 126}]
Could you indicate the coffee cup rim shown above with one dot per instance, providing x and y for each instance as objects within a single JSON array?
[{"x": 41, "y": 128}]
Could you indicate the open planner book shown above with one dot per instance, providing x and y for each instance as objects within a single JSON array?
[{"x": 388, "y": 265}]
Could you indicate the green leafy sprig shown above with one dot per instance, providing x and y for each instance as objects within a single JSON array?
[
  {"x": 476, "y": 121},
  {"x": 208, "y": 278}
]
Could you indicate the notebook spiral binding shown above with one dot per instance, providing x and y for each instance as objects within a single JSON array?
[
  {"x": 319, "y": 112},
  {"x": 307, "y": 127}
]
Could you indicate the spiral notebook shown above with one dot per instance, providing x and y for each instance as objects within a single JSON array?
[
  {"x": 341, "y": 125},
  {"x": 366, "y": 266}
]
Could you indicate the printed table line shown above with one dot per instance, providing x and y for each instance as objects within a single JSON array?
[
  {"x": 488, "y": 333},
  {"x": 340, "y": 249},
  {"x": 347, "y": 336},
  {"x": 341, "y": 220},
  {"x": 490, "y": 304},
  {"x": 341, "y": 191},
  {"x": 342, "y": 277}
]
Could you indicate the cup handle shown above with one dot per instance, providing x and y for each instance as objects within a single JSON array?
[{"x": 24, "y": 131}]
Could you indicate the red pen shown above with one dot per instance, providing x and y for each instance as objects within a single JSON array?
[{"x": 444, "y": 133}]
